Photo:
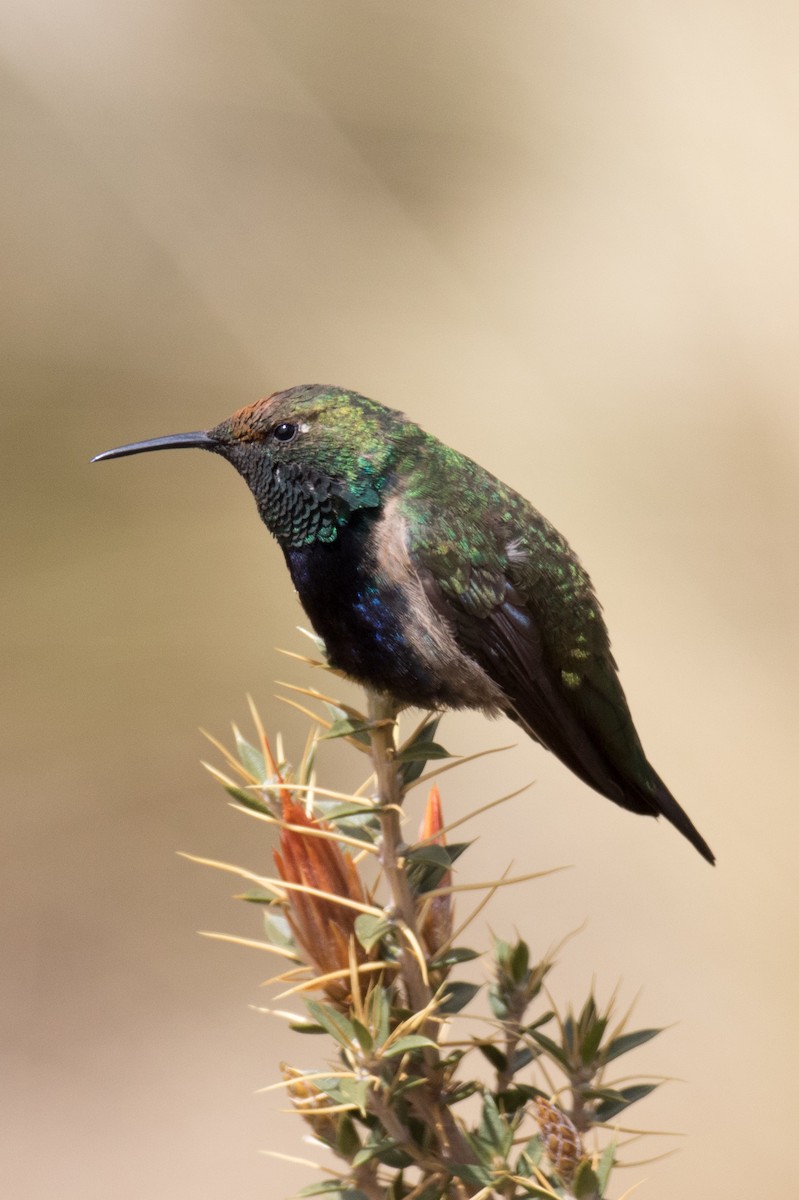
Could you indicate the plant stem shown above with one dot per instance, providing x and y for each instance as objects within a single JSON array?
[
  {"x": 382, "y": 717},
  {"x": 366, "y": 1181},
  {"x": 512, "y": 1036},
  {"x": 382, "y": 712}
]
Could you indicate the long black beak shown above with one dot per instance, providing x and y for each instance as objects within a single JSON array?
[{"x": 175, "y": 441}]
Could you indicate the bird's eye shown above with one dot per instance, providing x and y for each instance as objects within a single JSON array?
[{"x": 285, "y": 432}]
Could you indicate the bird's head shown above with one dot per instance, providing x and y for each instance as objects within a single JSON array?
[{"x": 311, "y": 456}]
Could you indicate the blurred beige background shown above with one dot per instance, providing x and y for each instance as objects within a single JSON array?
[{"x": 564, "y": 236}]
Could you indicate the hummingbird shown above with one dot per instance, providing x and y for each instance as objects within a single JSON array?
[{"x": 430, "y": 580}]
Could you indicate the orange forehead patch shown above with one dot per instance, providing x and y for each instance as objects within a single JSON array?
[{"x": 249, "y": 423}]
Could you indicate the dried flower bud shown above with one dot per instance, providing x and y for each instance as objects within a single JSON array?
[
  {"x": 322, "y": 928},
  {"x": 561, "y": 1139},
  {"x": 436, "y": 924},
  {"x": 305, "y": 1095}
]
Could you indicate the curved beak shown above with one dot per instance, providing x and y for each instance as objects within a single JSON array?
[{"x": 175, "y": 441}]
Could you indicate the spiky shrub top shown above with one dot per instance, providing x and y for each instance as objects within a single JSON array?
[{"x": 388, "y": 1105}]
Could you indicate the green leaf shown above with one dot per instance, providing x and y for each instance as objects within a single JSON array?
[
  {"x": 462, "y": 1092},
  {"x": 589, "y": 1012},
  {"x": 454, "y": 1057},
  {"x": 370, "y": 930},
  {"x": 591, "y": 1039},
  {"x": 399, "y": 1088},
  {"x": 585, "y": 1185},
  {"x": 428, "y": 864},
  {"x": 339, "y": 1028},
  {"x": 372, "y": 1150},
  {"x": 397, "y": 1158},
  {"x": 522, "y": 1058},
  {"x": 346, "y": 728},
  {"x": 345, "y": 712},
  {"x": 502, "y": 951},
  {"x": 410, "y": 771},
  {"x": 455, "y": 849},
  {"x": 428, "y": 731},
  {"x": 344, "y": 1091},
  {"x": 623, "y": 1098},
  {"x": 429, "y": 853},
  {"x": 256, "y": 896},
  {"x": 379, "y": 1014},
  {"x": 363, "y": 1035},
  {"x": 527, "y": 1091},
  {"x": 251, "y": 759},
  {"x": 605, "y": 1165},
  {"x": 493, "y": 1130},
  {"x": 457, "y": 996},
  {"x": 598, "y": 1093},
  {"x": 332, "y": 1088},
  {"x": 457, "y": 954},
  {"x": 306, "y": 1027},
  {"x": 424, "y": 877},
  {"x": 552, "y": 1048},
  {"x": 355, "y": 1092},
  {"x": 494, "y": 1055},
  {"x": 539, "y": 1021},
  {"x": 569, "y": 1034},
  {"x": 328, "y": 1187},
  {"x": 247, "y": 800},
  {"x": 421, "y": 752},
  {"x": 534, "y": 1150},
  {"x": 404, "y": 1045},
  {"x": 515, "y": 1097},
  {"x": 519, "y": 961},
  {"x": 338, "y": 812},
  {"x": 628, "y": 1041},
  {"x": 277, "y": 929},
  {"x": 472, "y": 1173},
  {"x": 364, "y": 831},
  {"x": 498, "y": 1003},
  {"x": 347, "y": 1140}
]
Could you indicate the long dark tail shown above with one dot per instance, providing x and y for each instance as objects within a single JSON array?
[
  {"x": 665, "y": 804},
  {"x": 625, "y": 777}
]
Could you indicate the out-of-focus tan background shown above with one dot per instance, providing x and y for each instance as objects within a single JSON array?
[{"x": 563, "y": 236}]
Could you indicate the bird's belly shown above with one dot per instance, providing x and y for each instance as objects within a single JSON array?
[{"x": 384, "y": 635}]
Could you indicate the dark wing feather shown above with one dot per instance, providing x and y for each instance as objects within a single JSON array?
[
  {"x": 507, "y": 644},
  {"x": 534, "y": 625}
]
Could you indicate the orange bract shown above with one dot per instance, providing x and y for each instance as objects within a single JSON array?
[
  {"x": 322, "y": 928},
  {"x": 436, "y": 924}
]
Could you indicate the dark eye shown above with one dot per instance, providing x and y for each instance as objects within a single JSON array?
[{"x": 285, "y": 432}]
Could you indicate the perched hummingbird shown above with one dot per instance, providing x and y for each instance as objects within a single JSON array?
[{"x": 430, "y": 580}]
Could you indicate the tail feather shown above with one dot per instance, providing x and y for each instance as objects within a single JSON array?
[
  {"x": 666, "y": 805},
  {"x": 635, "y": 785}
]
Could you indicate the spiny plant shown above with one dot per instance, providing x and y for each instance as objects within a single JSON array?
[{"x": 365, "y": 925}]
